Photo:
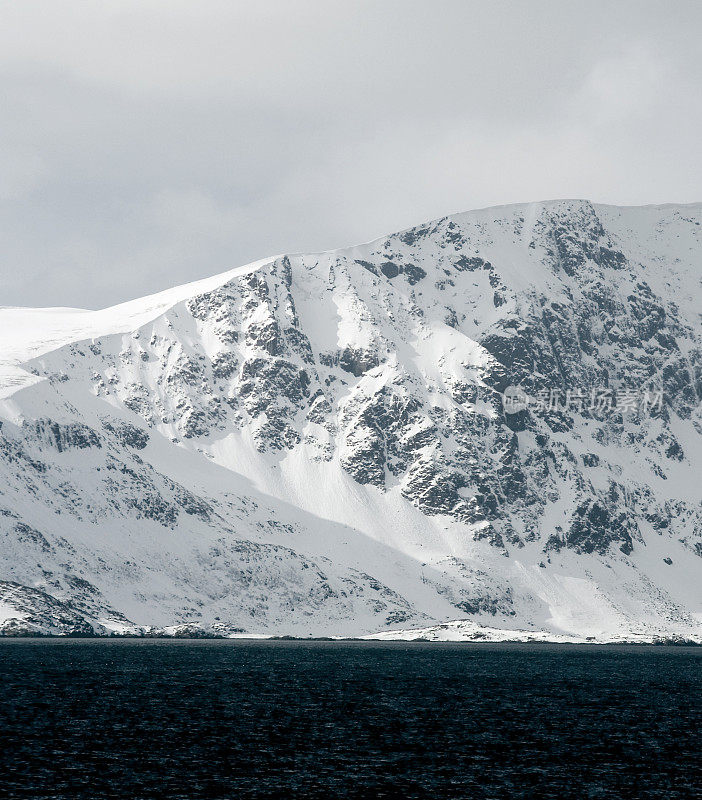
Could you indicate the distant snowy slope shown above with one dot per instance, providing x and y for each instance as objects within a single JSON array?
[{"x": 321, "y": 444}]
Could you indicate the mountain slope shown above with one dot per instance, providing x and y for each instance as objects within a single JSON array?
[{"x": 321, "y": 444}]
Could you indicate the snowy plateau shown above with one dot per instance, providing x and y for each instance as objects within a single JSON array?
[{"x": 318, "y": 445}]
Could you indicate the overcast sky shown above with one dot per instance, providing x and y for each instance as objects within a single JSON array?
[{"x": 147, "y": 143}]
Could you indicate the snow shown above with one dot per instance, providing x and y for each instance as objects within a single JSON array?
[
  {"x": 29, "y": 332},
  {"x": 8, "y": 611},
  {"x": 165, "y": 577}
]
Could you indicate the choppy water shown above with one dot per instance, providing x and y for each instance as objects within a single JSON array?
[{"x": 210, "y": 719}]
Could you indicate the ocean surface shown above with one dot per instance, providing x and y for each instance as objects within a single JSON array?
[{"x": 220, "y": 719}]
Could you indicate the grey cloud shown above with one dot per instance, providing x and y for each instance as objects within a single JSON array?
[{"x": 147, "y": 144}]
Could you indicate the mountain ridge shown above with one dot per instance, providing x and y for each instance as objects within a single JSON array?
[{"x": 356, "y": 397}]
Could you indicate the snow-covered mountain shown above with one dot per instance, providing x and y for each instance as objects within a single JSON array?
[{"x": 322, "y": 444}]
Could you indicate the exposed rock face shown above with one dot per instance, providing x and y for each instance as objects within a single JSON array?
[
  {"x": 363, "y": 390},
  {"x": 32, "y": 612}
]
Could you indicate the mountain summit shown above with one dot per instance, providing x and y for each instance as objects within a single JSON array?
[{"x": 487, "y": 426}]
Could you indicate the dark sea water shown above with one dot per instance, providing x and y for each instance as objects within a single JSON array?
[{"x": 210, "y": 719}]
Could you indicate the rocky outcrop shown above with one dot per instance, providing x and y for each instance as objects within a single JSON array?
[{"x": 377, "y": 376}]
